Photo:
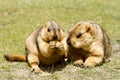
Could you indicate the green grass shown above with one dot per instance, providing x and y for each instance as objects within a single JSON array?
[{"x": 18, "y": 18}]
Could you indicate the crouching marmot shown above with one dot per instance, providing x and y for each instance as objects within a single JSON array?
[
  {"x": 88, "y": 44},
  {"x": 45, "y": 46}
]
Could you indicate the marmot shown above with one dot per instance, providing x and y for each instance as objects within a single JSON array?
[
  {"x": 45, "y": 46},
  {"x": 88, "y": 44}
]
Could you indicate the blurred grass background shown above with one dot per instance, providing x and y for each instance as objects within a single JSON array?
[{"x": 18, "y": 18}]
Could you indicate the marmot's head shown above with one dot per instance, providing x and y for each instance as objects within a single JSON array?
[
  {"x": 80, "y": 35},
  {"x": 51, "y": 31}
]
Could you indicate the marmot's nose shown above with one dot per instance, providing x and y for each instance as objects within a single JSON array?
[
  {"x": 68, "y": 41},
  {"x": 55, "y": 37}
]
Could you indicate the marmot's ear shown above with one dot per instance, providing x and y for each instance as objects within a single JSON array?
[
  {"x": 59, "y": 29},
  {"x": 62, "y": 34},
  {"x": 87, "y": 28},
  {"x": 46, "y": 24}
]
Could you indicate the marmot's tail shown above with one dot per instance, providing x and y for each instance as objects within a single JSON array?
[{"x": 15, "y": 57}]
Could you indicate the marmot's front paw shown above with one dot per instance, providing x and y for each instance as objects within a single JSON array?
[
  {"x": 36, "y": 69},
  {"x": 52, "y": 44},
  {"x": 59, "y": 46},
  {"x": 78, "y": 63}
]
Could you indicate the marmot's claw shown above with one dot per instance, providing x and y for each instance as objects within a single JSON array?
[
  {"x": 59, "y": 46},
  {"x": 52, "y": 44}
]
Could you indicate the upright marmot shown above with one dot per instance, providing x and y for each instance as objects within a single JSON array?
[
  {"x": 88, "y": 44},
  {"x": 45, "y": 46}
]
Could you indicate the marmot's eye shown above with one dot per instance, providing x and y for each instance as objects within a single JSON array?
[
  {"x": 79, "y": 35},
  {"x": 48, "y": 30}
]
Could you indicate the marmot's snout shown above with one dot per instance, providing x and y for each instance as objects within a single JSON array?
[{"x": 55, "y": 37}]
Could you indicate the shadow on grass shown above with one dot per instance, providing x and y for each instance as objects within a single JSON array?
[{"x": 54, "y": 67}]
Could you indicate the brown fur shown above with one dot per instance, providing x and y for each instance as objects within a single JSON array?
[
  {"x": 88, "y": 44},
  {"x": 45, "y": 46}
]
